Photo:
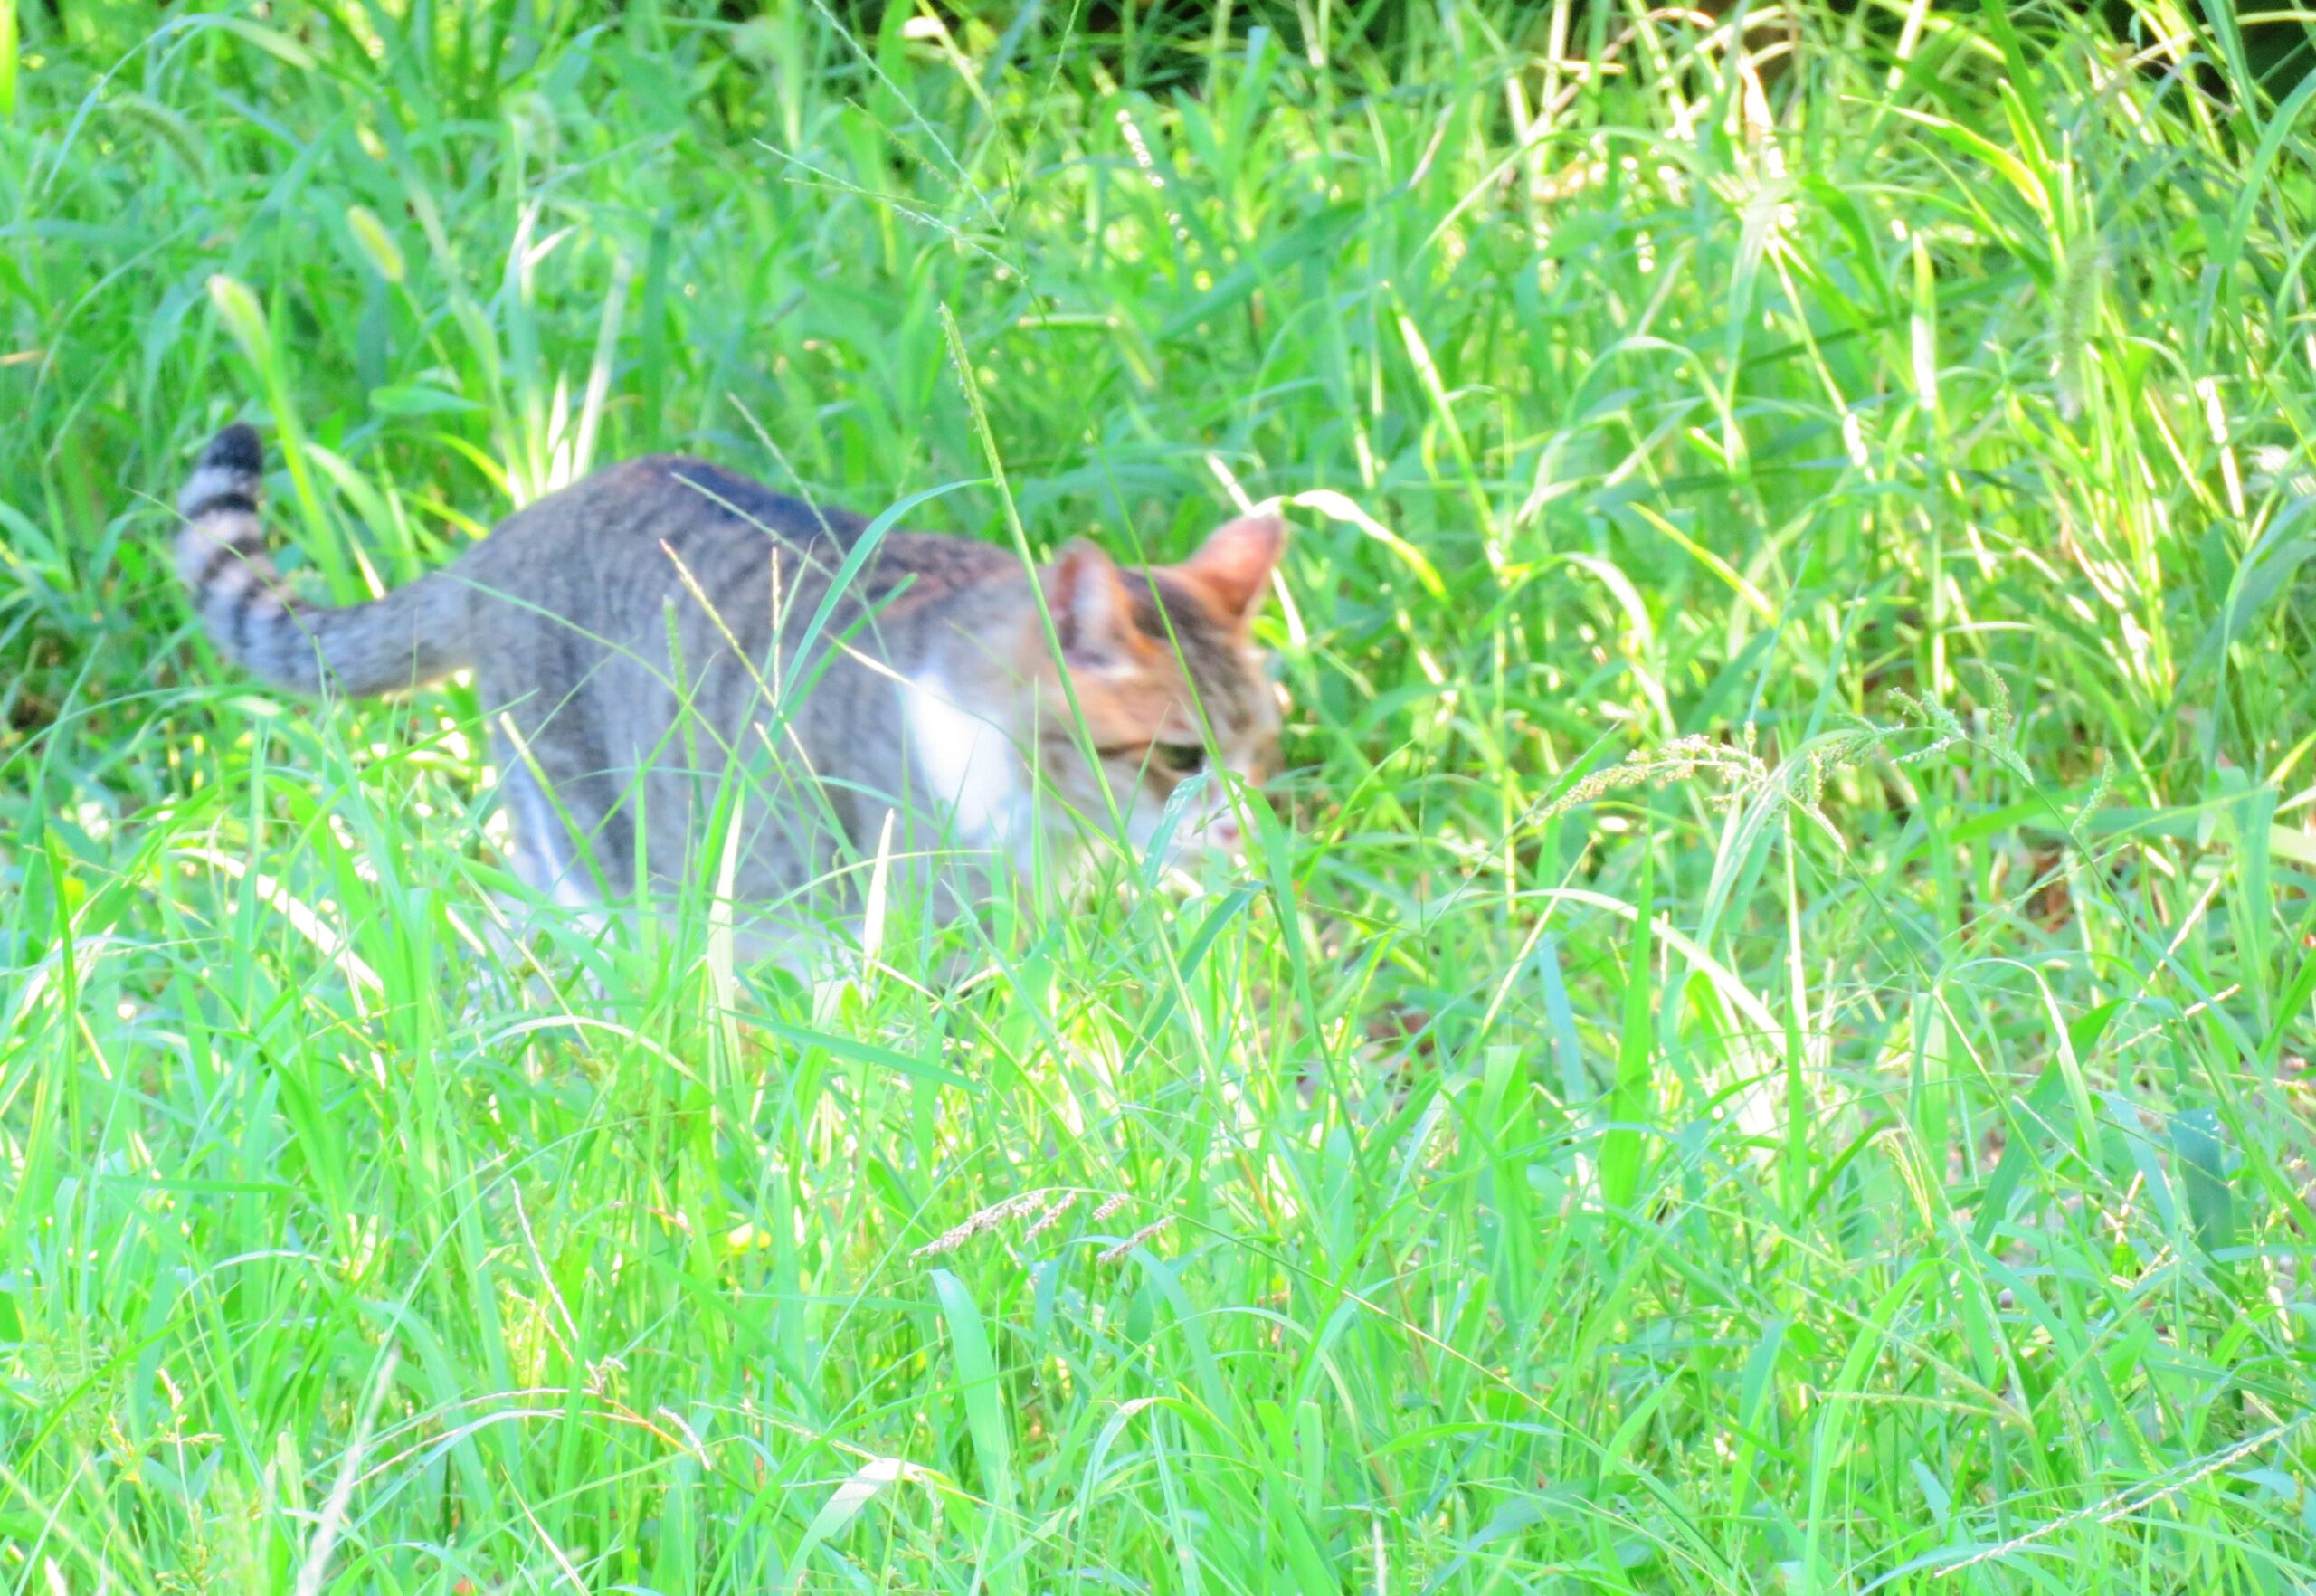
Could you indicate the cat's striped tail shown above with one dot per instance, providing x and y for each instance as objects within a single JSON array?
[{"x": 408, "y": 638}]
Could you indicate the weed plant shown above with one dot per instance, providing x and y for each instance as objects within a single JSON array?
[{"x": 1765, "y": 1051}]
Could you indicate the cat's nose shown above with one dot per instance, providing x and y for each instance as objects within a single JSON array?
[{"x": 1226, "y": 831}]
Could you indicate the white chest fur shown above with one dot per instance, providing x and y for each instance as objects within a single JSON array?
[{"x": 963, "y": 763}]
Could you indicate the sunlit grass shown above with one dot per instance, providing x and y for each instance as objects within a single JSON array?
[{"x": 1767, "y": 1054}]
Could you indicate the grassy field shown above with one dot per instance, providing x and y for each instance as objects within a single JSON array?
[{"x": 1770, "y": 1055}]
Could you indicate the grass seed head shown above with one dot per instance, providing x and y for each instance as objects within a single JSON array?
[
  {"x": 1111, "y": 1255},
  {"x": 987, "y": 1219}
]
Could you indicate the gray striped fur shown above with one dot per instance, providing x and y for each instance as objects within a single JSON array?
[{"x": 626, "y": 712}]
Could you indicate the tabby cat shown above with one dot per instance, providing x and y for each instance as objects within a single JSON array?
[{"x": 676, "y": 680}]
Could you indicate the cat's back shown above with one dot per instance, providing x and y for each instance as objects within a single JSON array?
[
  {"x": 627, "y": 510},
  {"x": 660, "y": 488},
  {"x": 615, "y": 541}
]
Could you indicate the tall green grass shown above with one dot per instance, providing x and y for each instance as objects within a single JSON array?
[{"x": 1767, "y": 1055}]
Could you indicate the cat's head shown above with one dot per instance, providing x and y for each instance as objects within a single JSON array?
[{"x": 1164, "y": 667}]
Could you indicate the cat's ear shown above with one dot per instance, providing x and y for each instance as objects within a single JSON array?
[
  {"x": 1086, "y": 592},
  {"x": 1235, "y": 563}
]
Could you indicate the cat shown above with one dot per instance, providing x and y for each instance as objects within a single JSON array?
[{"x": 663, "y": 708}]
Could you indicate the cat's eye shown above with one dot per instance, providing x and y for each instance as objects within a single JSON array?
[{"x": 1176, "y": 759}]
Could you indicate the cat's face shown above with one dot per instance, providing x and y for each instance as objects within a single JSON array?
[{"x": 1175, "y": 695}]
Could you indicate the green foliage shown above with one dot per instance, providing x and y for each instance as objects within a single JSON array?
[{"x": 1769, "y": 1057}]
